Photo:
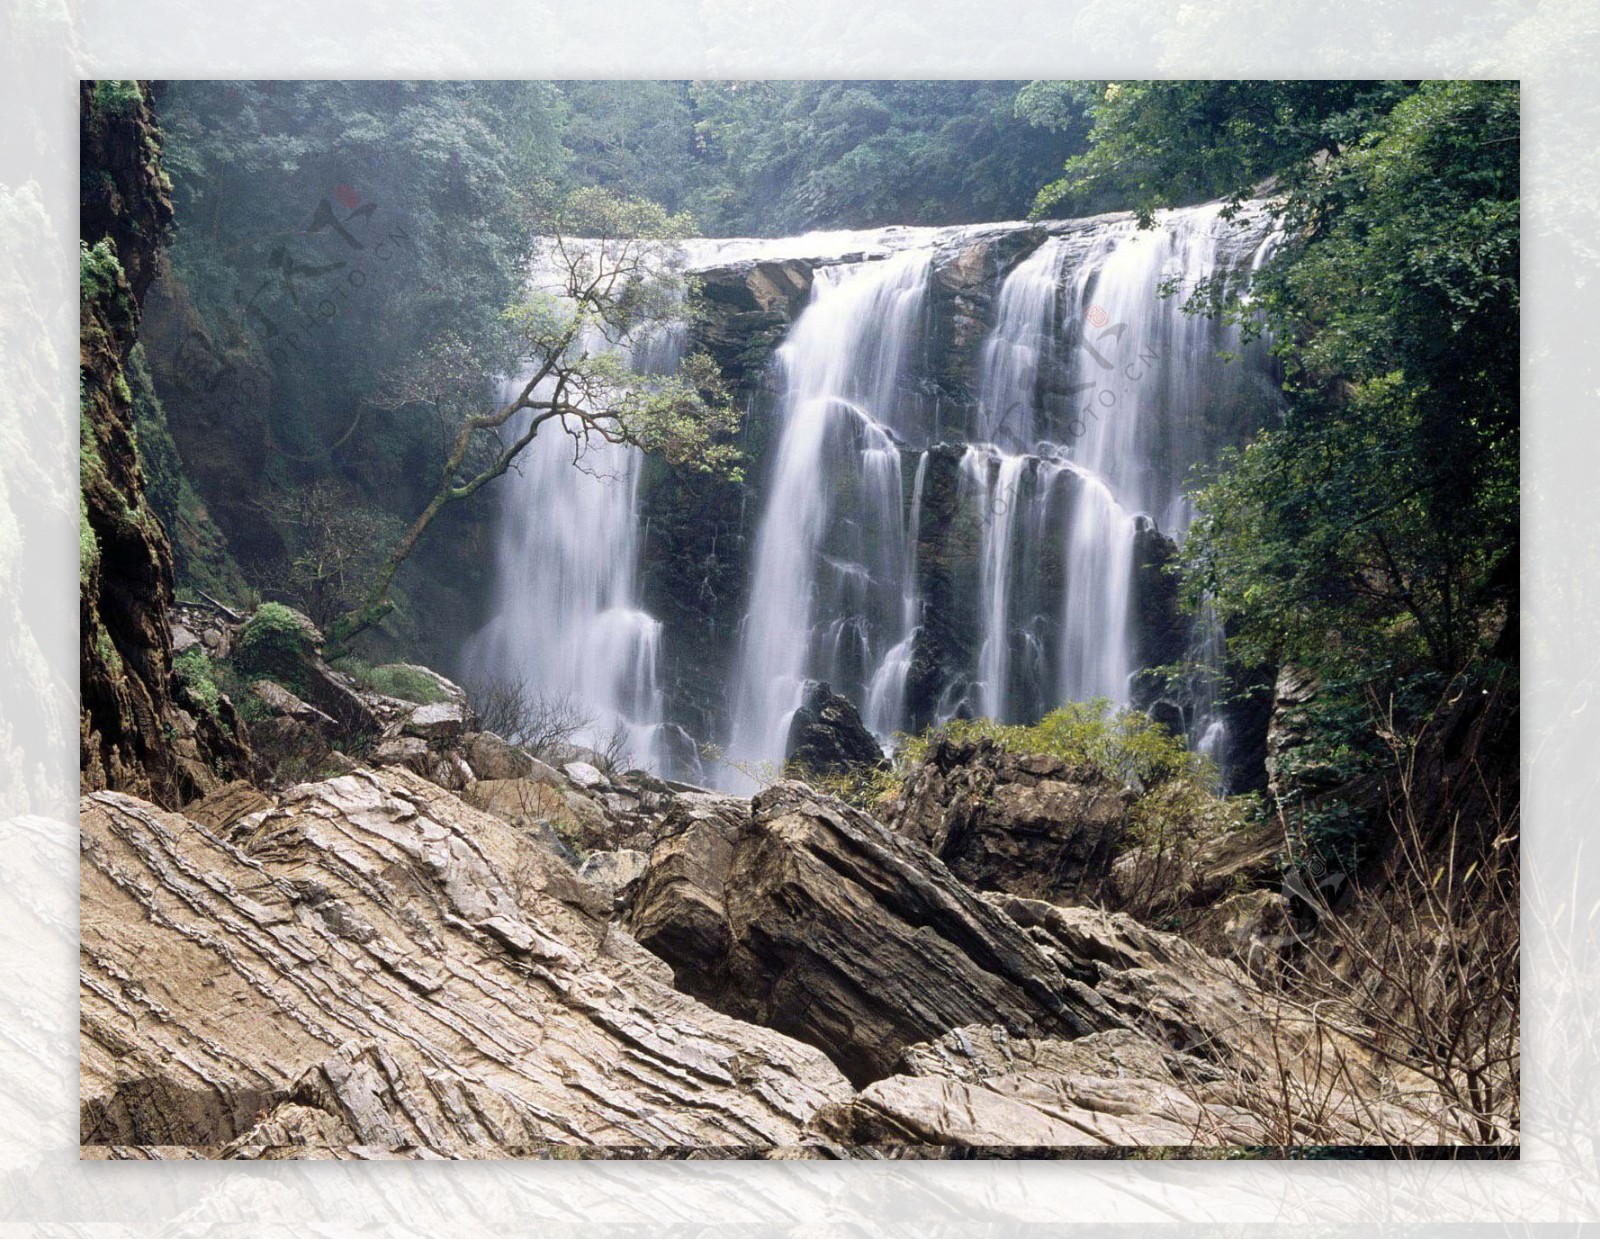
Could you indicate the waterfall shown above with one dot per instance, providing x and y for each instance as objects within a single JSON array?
[
  {"x": 1023, "y": 338},
  {"x": 829, "y": 551},
  {"x": 1121, "y": 415},
  {"x": 886, "y": 693},
  {"x": 996, "y": 501},
  {"x": 971, "y": 427},
  {"x": 565, "y": 626},
  {"x": 1094, "y": 395}
]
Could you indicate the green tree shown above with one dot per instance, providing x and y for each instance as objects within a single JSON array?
[
  {"x": 788, "y": 156},
  {"x": 1377, "y": 524},
  {"x": 610, "y": 278},
  {"x": 1169, "y": 143}
]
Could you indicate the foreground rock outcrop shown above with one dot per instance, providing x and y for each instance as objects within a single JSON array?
[
  {"x": 373, "y": 968},
  {"x": 1029, "y": 824},
  {"x": 369, "y": 966},
  {"x": 830, "y": 927}
]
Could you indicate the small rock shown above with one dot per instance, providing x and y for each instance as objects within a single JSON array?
[
  {"x": 584, "y": 774},
  {"x": 280, "y": 701},
  {"x": 407, "y": 751},
  {"x": 440, "y": 721},
  {"x": 337, "y": 763},
  {"x": 615, "y": 871},
  {"x": 183, "y": 639}
]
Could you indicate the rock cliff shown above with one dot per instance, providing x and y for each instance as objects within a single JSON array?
[{"x": 138, "y": 729}]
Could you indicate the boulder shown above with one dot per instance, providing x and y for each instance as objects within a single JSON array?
[
  {"x": 1029, "y": 824},
  {"x": 438, "y": 722},
  {"x": 615, "y": 873},
  {"x": 410, "y": 752},
  {"x": 1207, "y": 1059},
  {"x": 375, "y": 969},
  {"x": 977, "y": 1088},
  {"x": 848, "y": 936},
  {"x": 492, "y": 757},
  {"x": 279, "y": 701},
  {"x": 522, "y": 801},
  {"x": 585, "y": 775},
  {"x": 680, "y": 910},
  {"x": 826, "y": 735},
  {"x": 288, "y": 750}
]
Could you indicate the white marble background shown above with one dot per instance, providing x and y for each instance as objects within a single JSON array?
[{"x": 45, "y": 45}]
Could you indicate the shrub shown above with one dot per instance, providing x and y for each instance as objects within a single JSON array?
[
  {"x": 117, "y": 95},
  {"x": 397, "y": 680},
  {"x": 192, "y": 670},
  {"x": 88, "y": 544},
  {"x": 100, "y": 275},
  {"x": 1125, "y": 745},
  {"x": 276, "y": 641}
]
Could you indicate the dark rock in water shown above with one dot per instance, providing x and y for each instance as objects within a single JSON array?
[
  {"x": 1030, "y": 824},
  {"x": 966, "y": 279},
  {"x": 1161, "y": 630},
  {"x": 948, "y": 537},
  {"x": 829, "y": 927},
  {"x": 827, "y": 736}
]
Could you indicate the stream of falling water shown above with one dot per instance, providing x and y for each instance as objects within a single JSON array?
[
  {"x": 566, "y": 628},
  {"x": 1093, "y": 396},
  {"x": 818, "y": 581}
]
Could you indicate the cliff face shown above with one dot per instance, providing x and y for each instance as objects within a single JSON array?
[{"x": 134, "y": 733}]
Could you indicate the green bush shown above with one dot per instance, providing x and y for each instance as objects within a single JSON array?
[
  {"x": 100, "y": 274},
  {"x": 275, "y": 641},
  {"x": 405, "y": 681},
  {"x": 117, "y": 95},
  {"x": 192, "y": 670},
  {"x": 1125, "y": 745},
  {"x": 88, "y": 544}
]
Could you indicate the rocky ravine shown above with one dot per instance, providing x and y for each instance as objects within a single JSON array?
[{"x": 368, "y": 966}]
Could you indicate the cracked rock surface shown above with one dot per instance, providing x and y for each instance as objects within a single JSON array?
[{"x": 374, "y": 966}]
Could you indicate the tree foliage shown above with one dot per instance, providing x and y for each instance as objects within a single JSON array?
[
  {"x": 1163, "y": 143},
  {"x": 1377, "y": 524},
  {"x": 788, "y": 156}
]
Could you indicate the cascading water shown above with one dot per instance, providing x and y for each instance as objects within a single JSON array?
[
  {"x": 566, "y": 627},
  {"x": 886, "y": 692},
  {"x": 823, "y": 588},
  {"x": 922, "y": 578},
  {"x": 1123, "y": 414}
]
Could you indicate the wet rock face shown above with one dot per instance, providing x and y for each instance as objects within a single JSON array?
[
  {"x": 966, "y": 279},
  {"x": 373, "y": 968},
  {"x": 948, "y": 541},
  {"x": 827, "y": 736},
  {"x": 1027, "y": 824}
]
